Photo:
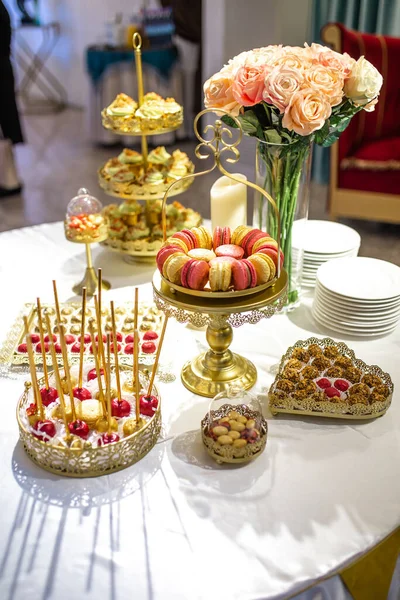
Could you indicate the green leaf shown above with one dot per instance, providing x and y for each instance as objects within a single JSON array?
[
  {"x": 272, "y": 136},
  {"x": 331, "y": 139},
  {"x": 229, "y": 121},
  {"x": 322, "y": 133}
]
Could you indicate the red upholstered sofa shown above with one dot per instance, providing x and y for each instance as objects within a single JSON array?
[{"x": 365, "y": 163}]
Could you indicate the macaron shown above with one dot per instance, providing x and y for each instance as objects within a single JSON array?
[
  {"x": 249, "y": 240},
  {"x": 266, "y": 241},
  {"x": 175, "y": 242},
  {"x": 261, "y": 263},
  {"x": 192, "y": 236},
  {"x": 163, "y": 254},
  {"x": 184, "y": 238},
  {"x": 194, "y": 274},
  {"x": 273, "y": 254},
  {"x": 173, "y": 266},
  {"x": 218, "y": 259},
  {"x": 220, "y": 276},
  {"x": 244, "y": 274},
  {"x": 230, "y": 250},
  {"x": 222, "y": 236},
  {"x": 201, "y": 254},
  {"x": 239, "y": 233},
  {"x": 203, "y": 237}
]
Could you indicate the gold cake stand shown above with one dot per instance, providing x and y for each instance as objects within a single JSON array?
[
  {"x": 218, "y": 368},
  {"x": 144, "y": 192}
]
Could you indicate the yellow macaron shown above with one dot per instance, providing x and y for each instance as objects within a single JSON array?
[
  {"x": 201, "y": 254},
  {"x": 175, "y": 242},
  {"x": 239, "y": 233},
  {"x": 262, "y": 267},
  {"x": 265, "y": 240},
  {"x": 173, "y": 266},
  {"x": 220, "y": 276}
]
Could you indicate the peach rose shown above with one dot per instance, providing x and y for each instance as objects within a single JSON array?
[
  {"x": 218, "y": 93},
  {"x": 308, "y": 110},
  {"x": 280, "y": 85},
  {"x": 293, "y": 60},
  {"x": 248, "y": 85},
  {"x": 327, "y": 82},
  {"x": 342, "y": 63}
]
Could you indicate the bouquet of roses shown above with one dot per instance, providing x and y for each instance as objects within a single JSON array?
[
  {"x": 285, "y": 93},
  {"x": 288, "y": 97}
]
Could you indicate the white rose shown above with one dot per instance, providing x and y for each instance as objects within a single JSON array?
[{"x": 364, "y": 82}]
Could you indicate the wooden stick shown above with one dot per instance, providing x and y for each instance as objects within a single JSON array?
[
  {"x": 58, "y": 313},
  {"x": 58, "y": 379},
  {"x": 45, "y": 372},
  {"x": 115, "y": 347},
  {"x": 66, "y": 370},
  {"x": 155, "y": 366},
  {"x": 136, "y": 375},
  {"x": 136, "y": 310},
  {"x": 108, "y": 388},
  {"x": 32, "y": 366},
  {"x": 100, "y": 337},
  {"x": 82, "y": 347},
  {"x": 99, "y": 285},
  {"x": 96, "y": 363}
]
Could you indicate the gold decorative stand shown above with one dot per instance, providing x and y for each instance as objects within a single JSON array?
[
  {"x": 218, "y": 368},
  {"x": 143, "y": 192},
  {"x": 90, "y": 280}
]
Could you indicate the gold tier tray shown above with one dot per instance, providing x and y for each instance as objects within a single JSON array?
[
  {"x": 134, "y": 127},
  {"x": 138, "y": 192},
  {"x": 89, "y": 461},
  {"x": 215, "y": 370},
  {"x": 339, "y": 410}
]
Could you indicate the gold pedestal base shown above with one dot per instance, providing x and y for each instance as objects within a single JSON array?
[
  {"x": 90, "y": 282},
  {"x": 210, "y": 373}
]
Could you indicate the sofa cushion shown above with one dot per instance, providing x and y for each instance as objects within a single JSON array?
[{"x": 377, "y": 155}]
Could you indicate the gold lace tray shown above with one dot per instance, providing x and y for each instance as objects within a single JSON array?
[
  {"x": 129, "y": 125},
  {"x": 208, "y": 293},
  {"x": 311, "y": 406},
  {"x": 132, "y": 191},
  {"x": 228, "y": 454},
  {"x": 9, "y": 354},
  {"x": 89, "y": 461}
]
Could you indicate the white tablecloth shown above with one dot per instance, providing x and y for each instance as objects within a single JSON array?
[{"x": 176, "y": 525}]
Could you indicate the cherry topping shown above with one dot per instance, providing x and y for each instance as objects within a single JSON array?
[
  {"x": 150, "y": 335},
  {"x": 129, "y": 339},
  {"x": 76, "y": 347},
  {"x": 148, "y": 347},
  {"x": 31, "y": 410},
  {"x": 323, "y": 383},
  {"x": 81, "y": 394},
  {"x": 47, "y": 338},
  {"x": 48, "y": 396},
  {"x": 103, "y": 336},
  {"x": 119, "y": 336},
  {"x": 93, "y": 374},
  {"x": 331, "y": 392},
  {"x": 57, "y": 348},
  {"x": 108, "y": 438},
  {"x": 128, "y": 349},
  {"x": 44, "y": 429},
  {"x": 120, "y": 408},
  {"x": 79, "y": 428},
  {"x": 118, "y": 347},
  {"x": 86, "y": 338},
  {"x": 23, "y": 347},
  {"x": 341, "y": 384},
  {"x": 148, "y": 405},
  {"x": 69, "y": 338},
  {"x": 38, "y": 347}
]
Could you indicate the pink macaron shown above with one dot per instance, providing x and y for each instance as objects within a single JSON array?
[
  {"x": 186, "y": 239},
  {"x": 222, "y": 236},
  {"x": 272, "y": 253},
  {"x": 163, "y": 254},
  {"x": 194, "y": 274},
  {"x": 230, "y": 250},
  {"x": 244, "y": 275},
  {"x": 218, "y": 259},
  {"x": 192, "y": 236},
  {"x": 250, "y": 239}
]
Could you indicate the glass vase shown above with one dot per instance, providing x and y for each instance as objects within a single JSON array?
[{"x": 284, "y": 173}]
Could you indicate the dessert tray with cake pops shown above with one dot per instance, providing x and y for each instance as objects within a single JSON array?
[
  {"x": 323, "y": 378},
  {"x": 220, "y": 279},
  {"x": 134, "y": 229},
  {"x": 93, "y": 417},
  {"x": 14, "y": 351}
]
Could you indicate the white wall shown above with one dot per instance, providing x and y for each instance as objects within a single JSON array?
[{"x": 82, "y": 23}]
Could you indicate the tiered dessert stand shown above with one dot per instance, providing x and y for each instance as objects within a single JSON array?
[
  {"x": 143, "y": 192},
  {"x": 215, "y": 370}
]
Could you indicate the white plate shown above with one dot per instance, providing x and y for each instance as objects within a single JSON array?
[
  {"x": 362, "y": 304},
  {"x": 334, "y": 324},
  {"x": 323, "y": 259},
  {"x": 361, "y": 278},
  {"x": 324, "y": 237},
  {"x": 350, "y": 318},
  {"x": 349, "y": 333},
  {"x": 356, "y": 312}
]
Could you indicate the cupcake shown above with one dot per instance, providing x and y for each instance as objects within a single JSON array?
[
  {"x": 130, "y": 157},
  {"x": 159, "y": 156},
  {"x": 112, "y": 167},
  {"x": 122, "y": 106},
  {"x": 130, "y": 212}
]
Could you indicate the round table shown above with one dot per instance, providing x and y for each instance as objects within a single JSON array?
[{"x": 176, "y": 525}]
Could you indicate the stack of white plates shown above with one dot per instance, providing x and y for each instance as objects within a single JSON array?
[
  {"x": 358, "y": 296},
  {"x": 321, "y": 241}
]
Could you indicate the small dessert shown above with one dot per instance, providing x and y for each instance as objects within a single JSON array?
[
  {"x": 84, "y": 222},
  {"x": 108, "y": 438},
  {"x": 122, "y": 106},
  {"x": 244, "y": 275},
  {"x": 371, "y": 380},
  {"x": 301, "y": 354},
  {"x": 79, "y": 428},
  {"x": 291, "y": 374},
  {"x": 321, "y": 363},
  {"x": 148, "y": 347},
  {"x": 81, "y": 394},
  {"x": 44, "y": 430},
  {"x": 148, "y": 405},
  {"x": 48, "y": 395},
  {"x": 314, "y": 350},
  {"x": 343, "y": 361},
  {"x": 194, "y": 274},
  {"x": 230, "y": 250},
  {"x": 353, "y": 374},
  {"x": 120, "y": 408},
  {"x": 220, "y": 276},
  {"x": 334, "y": 372}
]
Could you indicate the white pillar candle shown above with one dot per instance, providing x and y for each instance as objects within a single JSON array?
[{"x": 229, "y": 202}]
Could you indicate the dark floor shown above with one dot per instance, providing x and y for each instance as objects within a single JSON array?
[{"x": 58, "y": 159}]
